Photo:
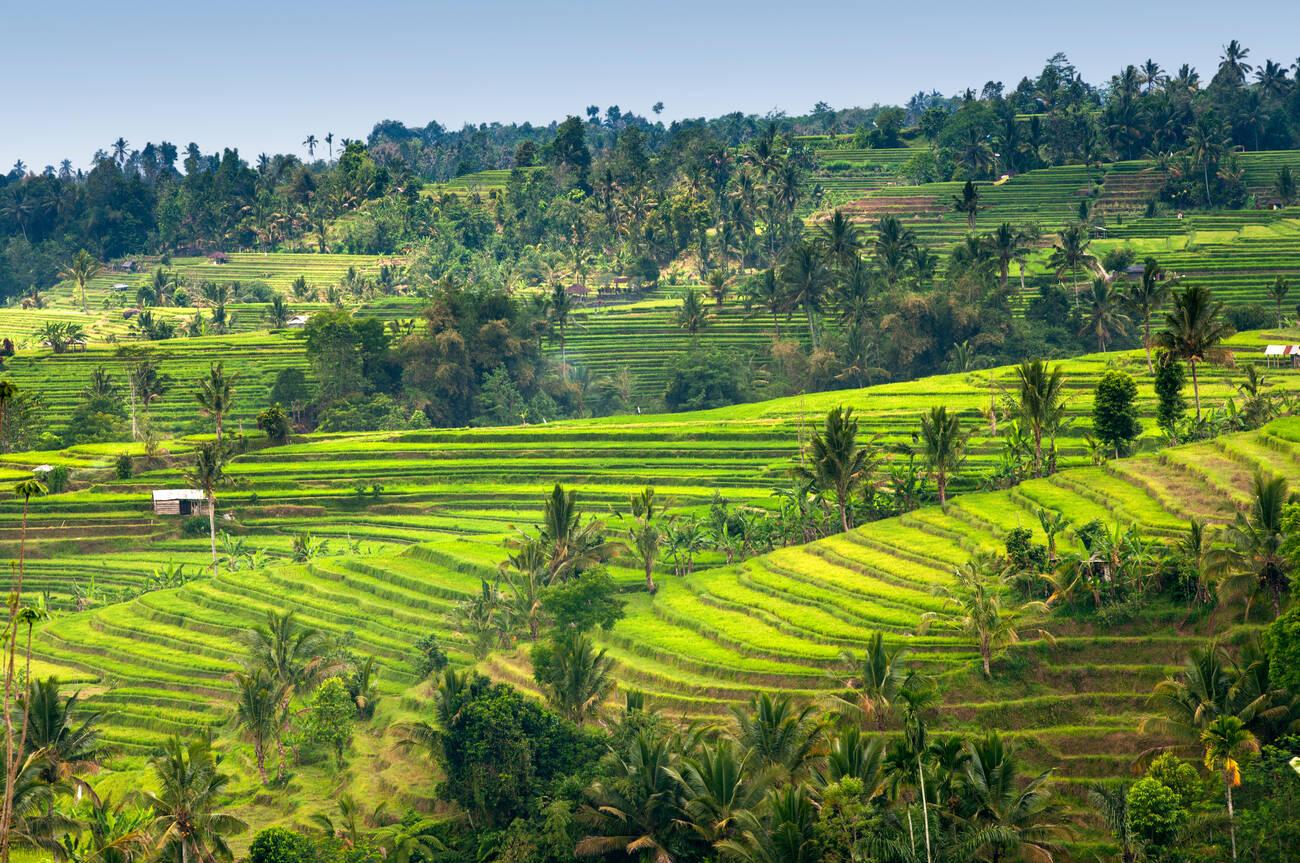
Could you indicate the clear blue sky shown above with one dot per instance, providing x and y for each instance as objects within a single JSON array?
[{"x": 262, "y": 75}]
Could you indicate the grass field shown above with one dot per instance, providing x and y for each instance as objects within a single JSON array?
[{"x": 157, "y": 662}]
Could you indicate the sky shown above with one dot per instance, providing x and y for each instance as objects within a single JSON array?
[{"x": 261, "y": 76}]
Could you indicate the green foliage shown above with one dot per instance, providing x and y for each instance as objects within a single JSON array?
[
  {"x": 331, "y": 716},
  {"x": 194, "y": 526},
  {"x": 1282, "y": 638},
  {"x": 275, "y": 422},
  {"x": 1114, "y": 412},
  {"x": 575, "y": 675},
  {"x": 430, "y": 657},
  {"x": 585, "y": 602},
  {"x": 1155, "y": 812},
  {"x": 279, "y": 845},
  {"x": 123, "y": 466},
  {"x": 1171, "y": 406},
  {"x": 503, "y": 752},
  {"x": 704, "y": 378}
]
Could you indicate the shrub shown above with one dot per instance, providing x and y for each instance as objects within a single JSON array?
[
  {"x": 1114, "y": 412},
  {"x": 430, "y": 658},
  {"x": 585, "y": 602},
  {"x": 278, "y": 845},
  {"x": 703, "y": 379},
  {"x": 1252, "y": 317},
  {"x": 275, "y": 422},
  {"x": 195, "y": 526},
  {"x": 123, "y": 467},
  {"x": 57, "y": 479},
  {"x": 1282, "y": 641},
  {"x": 1154, "y": 811},
  {"x": 329, "y": 722}
]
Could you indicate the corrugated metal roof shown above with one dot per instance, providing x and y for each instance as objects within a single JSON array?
[{"x": 178, "y": 494}]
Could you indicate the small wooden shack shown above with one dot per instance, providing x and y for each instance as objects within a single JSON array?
[{"x": 179, "y": 501}]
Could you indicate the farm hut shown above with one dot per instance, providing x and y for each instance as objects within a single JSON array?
[
  {"x": 128, "y": 314},
  {"x": 179, "y": 501},
  {"x": 297, "y": 322},
  {"x": 219, "y": 258},
  {"x": 576, "y": 290},
  {"x": 1282, "y": 356}
]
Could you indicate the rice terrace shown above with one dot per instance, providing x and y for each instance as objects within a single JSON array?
[{"x": 912, "y": 482}]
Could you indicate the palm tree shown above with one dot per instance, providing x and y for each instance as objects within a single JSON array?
[
  {"x": 1041, "y": 403},
  {"x": 1007, "y": 243},
  {"x": 837, "y": 464},
  {"x": 944, "y": 446},
  {"x": 1194, "y": 332},
  {"x": 63, "y": 747},
  {"x": 310, "y": 144},
  {"x": 106, "y": 831},
  {"x": 896, "y": 249},
  {"x": 779, "y": 732},
  {"x": 187, "y": 817},
  {"x": 209, "y": 473},
  {"x": 579, "y": 678},
  {"x": 410, "y": 840},
  {"x": 290, "y": 653},
  {"x": 277, "y": 313},
  {"x": 1152, "y": 75},
  {"x": 719, "y": 788},
  {"x": 1206, "y": 140},
  {"x": 978, "y": 609},
  {"x": 1071, "y": 253},
  {"x": 1234, "y": 67},
  {"x": 559, "y": 309},
  {"x": 644, "y": 536},
  {"x": 216, "y": 394},
  {"x": 839, "y": 240},
  {"x": 1277, "y": 293},
  {"x": 968, "y": 202},
  {"x": 571, "y": 546},
  {"x": 80, "y": 271},
  {"x": 1002, "y": 802},
  {"x": 1225, "y": 739},
  {"x": 259, "y": 699},
  {"x": 717, "y": 282},
  {"x": 806, "y": 279},
  {"x": 1254, "y": 560},
  {"x": 1105, "y": 318},
  {"x": 873, "y": 681},
  {"x": 768, "y": 292},
  {"x": 1111, "y": 802},
  {"x": 635, "y": 812},
  {"x": 784, "y": 832},
  {"x": 1147, "y": 297},
  {"x": 691, "y": 316}
]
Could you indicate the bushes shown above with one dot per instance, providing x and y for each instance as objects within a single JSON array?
[
  {"x": 430, "y": 658},
  {"x": 1114, "y": 412},
  {"x": 704, "y": 378},
  {"x": 278, "y": 845},
  {"x": 123, "y": 466},
  {"x": 195, "y": 526}
]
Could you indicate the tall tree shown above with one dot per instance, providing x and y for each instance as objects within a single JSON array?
[
  {"x": 216, "y": 395},
  {"x": 1254, "y": 561},
  {"x": 80, "y": 271},
  {"x": 838, "y": 465},
  {"x": 1277, "y": 293},
  {"x": 208, "y": 473},
  {"x": 1071, "y": 253},
  {"x": 806, "y": 279},
  {"x": 258, "y": 701},
  {"x": 1148, "y": 296},
  {"x": 968, "y": 203},
  {"x": 188, "y": 819},
  {"x": 944, "y": 446},
  {"x": 1040, "y": 403},
  {"x": 1194, "y": 332},
  {"x": 1225, "y": 740}
]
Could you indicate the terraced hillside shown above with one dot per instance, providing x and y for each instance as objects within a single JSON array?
[{"x": 415, "y": 519}]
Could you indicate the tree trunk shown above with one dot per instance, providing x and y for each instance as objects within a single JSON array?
[
  {"x": 1196, "y": 389},
  {"x": 925, "y": 809},
  {"x": 941, "y": 480},
  {"x": 649, "y": 578},
  {"x": 1232, "y": 827},
  {"x": 212, "y": 533},
  {"x": 812, "y": 326},
  {"x": 985, "y": 655},
  {"x": 12, "y": 754},
  {"x": 1146, "y": 342}
]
